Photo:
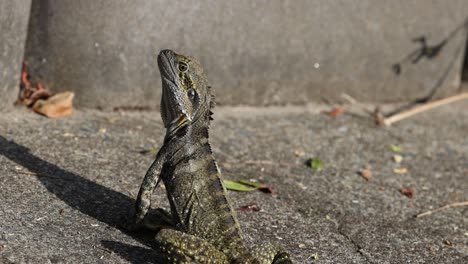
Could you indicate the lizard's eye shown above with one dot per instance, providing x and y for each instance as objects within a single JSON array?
[
  {"x": 182, "y": 66},
  {"x": 191, "y": 93}
]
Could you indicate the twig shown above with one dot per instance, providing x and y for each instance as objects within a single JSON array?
[
  {"x": 353, "y": 102},
  {"x": 27, "y": 173},
  {"x": 349, "y": 98},
  {"x": 442, "y": 208},
  {"x": 104, "y": 249},
  {"x": 39, "y": 175},
  {"x": 418, "y": 109}
]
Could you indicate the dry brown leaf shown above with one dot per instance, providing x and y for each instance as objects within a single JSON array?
[
  {"x": 448, "y": 243},
  {"x": 408, "y": 192},
  {"x": 366, "y": 174},
  {"x": 31, "y": 89},
  {"x": 58, "y": 105},
  {"x": 250, "y": 207},
  {"x": 336, "y": 111}
]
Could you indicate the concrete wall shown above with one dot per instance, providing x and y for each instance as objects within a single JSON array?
[
  {"x": 255, "y": 52},
  {"x": 14, "y": 17}
]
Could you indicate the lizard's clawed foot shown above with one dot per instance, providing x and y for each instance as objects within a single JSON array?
[
  {"x": 155, "y": 220},
  {"x": 131, "y": 225},
  {"x": 129, "y": 222},
  {"x": 158, "y": 219}
]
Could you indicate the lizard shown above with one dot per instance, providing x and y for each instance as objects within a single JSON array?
[{"x": 202, "y": 226}]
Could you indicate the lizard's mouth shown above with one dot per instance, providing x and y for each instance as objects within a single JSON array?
[{"x": 177, "y": 123}]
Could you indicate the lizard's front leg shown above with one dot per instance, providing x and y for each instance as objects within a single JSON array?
[{"x": 143, "y": 201}]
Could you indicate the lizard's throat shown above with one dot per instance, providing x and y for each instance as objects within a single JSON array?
[
  {"x": 199, "y": 121},
  {"x": 177, "y": 124}
]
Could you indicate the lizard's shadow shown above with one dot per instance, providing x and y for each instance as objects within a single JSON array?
[
  {"x": 95, "y": 200},
  {"x": 133, "y": 254}
]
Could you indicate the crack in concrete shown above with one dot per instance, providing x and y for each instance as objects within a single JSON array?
[{"x": 355, "y": 244}]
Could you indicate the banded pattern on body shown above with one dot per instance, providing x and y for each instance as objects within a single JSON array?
[
  {"x": 205, "y": 210},
  {"x": 202, "y": 227}
]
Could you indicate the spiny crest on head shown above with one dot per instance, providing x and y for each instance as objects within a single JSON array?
[{"x": 212, "y": 101}]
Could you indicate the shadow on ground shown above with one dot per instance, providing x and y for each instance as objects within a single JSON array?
[
  {"x": 97, "y": 201},
  {"x": 68, "y": 207},
  {"x": 133, "y": 254}
]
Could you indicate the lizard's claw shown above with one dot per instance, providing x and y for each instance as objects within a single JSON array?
[{"x": 133, "y": 225}]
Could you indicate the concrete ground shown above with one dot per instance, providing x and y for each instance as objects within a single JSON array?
[{"x": 67, "y": 184}]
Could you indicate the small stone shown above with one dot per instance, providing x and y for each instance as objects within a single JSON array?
[
  {"x": 299, "y": 153},
  {"x": 315, "y": 256},
  {"x": 397, "y": 158},
  {"x": 366, "y": 174},
  {"x": 401, "y": 170}
]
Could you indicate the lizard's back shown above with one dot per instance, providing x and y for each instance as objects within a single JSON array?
[{"x": 198, "y": 199}]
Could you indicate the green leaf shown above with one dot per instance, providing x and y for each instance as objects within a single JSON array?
[
  {"x": 256, "y": 185},
  {"x": 316, "y": 163},
  {"x": 396, "y": 149},
  {"x": 315, "y": 256},
  {"x": 236, "y": 186},
  {"x": 154, "y": 151}
]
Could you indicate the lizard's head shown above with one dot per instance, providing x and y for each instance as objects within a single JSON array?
[{"x": 186, "y": 94}]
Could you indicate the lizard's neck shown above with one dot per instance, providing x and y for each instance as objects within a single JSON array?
[
  {"x": 198, "y": 182},
  {"x": 194, "y": 130}
]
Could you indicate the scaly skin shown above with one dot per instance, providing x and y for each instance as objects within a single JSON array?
[{"x": 202, "y": 227}]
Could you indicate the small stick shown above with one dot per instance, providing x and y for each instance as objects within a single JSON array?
[
  {"x": 27, "y": 173},
  {"x": 442, "y": 208},
  {"x": 349, "y": 98},
  {"x": 353, "y": 102},
  {"x": 418, "y": 109}
]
